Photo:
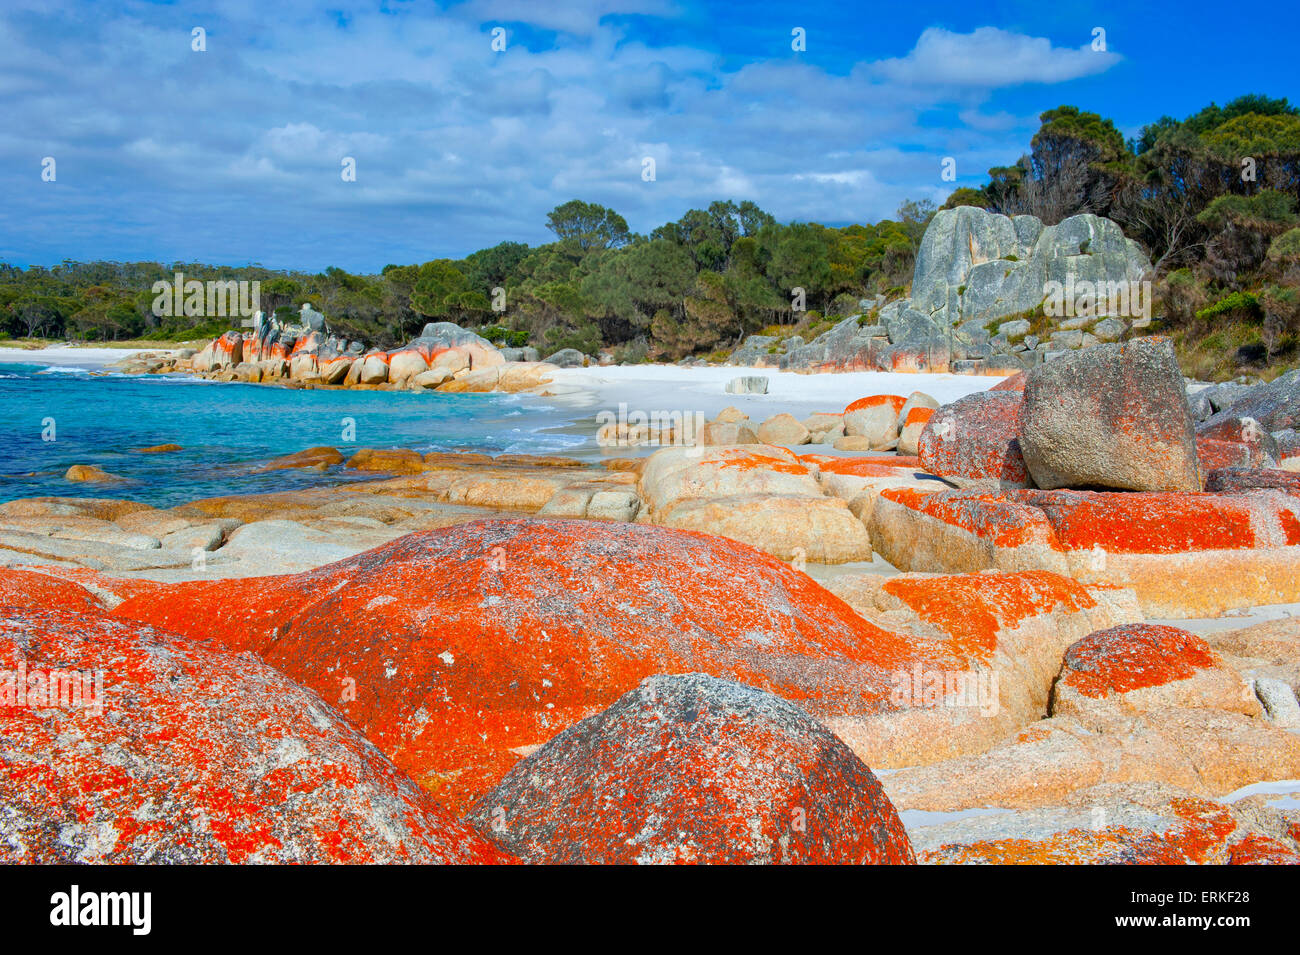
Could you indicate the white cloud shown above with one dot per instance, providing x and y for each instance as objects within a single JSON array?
[
  {"x": 991, "y": 57},
  {"x": 456, "y": 147}
]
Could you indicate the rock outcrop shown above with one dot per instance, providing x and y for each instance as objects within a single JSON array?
[
  {"x": 975, "y": 442},
  {"x": 164, "y": 749},
  {"x": 1112, "y": 416},
  {"x": 975, "y": 272},
  {"x": 497, "y": 635},
  {"x": 976, "y": 266},
  {"x": 693, "y": 769}
]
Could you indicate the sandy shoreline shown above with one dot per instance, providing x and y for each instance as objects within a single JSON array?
[
  {"x": 674, "y": 388},
  {"x": 65, "y": 356},
  {"x": 649, "y": 387}
]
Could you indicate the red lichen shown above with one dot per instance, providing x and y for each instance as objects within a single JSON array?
[
  {"x": 1214, "y": 453},
  {"x": 101, "y": 586},
  {"x": 1256, "y": 849},
  {"x": 871, "y": 401},
  {"x": 1134, "y": 656},
  {"x": 1148, "y": 522},
  {"x": 1197, "y": 836},
  {"x": 987, "y": 515},
  {"x": 973, "y": 608},
  {"x": 977, "y": 439},
  {"x": 191, "y": 754},
  {"x": 24, "y": 588},
  {"x": 464, "y": 644},
  {"x": 1116, "y": 522},
  {"x": 759, "y": 461},
  {"x": 1015, "y": 383}
]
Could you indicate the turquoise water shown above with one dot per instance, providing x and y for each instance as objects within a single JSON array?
[{"x": 230, "y": 429}]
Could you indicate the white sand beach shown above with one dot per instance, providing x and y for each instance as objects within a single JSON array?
[
  {"x": 64, "y": 356},
  {"x": 672, "y": 387}
]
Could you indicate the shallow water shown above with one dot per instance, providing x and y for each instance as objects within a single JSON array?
[{"x": 227, "y": 430}]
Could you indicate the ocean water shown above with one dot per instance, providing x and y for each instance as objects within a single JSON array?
[{"x": 228, "y": 430}]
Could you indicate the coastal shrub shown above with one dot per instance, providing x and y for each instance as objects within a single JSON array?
[
  {"x": 505, "y": 337},
  {"x": 1286, "y": 247},
  {"x": 843, "y": 305},
  {"x": 1241, "y": 305},
  {"x": 634, "y": 352}
]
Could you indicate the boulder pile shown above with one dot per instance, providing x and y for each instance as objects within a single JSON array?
[
  {"x": 444, "y": 357},
  {"x": 977, "y": 275},
  {"x": 1091, "y": 466}
]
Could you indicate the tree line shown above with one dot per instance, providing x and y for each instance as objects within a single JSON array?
[
  {"x": 1212, "y": 198},
  {"x": 694, "y": 285}
]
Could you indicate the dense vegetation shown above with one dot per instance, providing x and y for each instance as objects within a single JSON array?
[{"x": 1213, "y": 198}]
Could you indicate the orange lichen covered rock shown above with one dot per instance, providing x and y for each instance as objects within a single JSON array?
[
  {"x": 109, "y": 591},
  {"x": 30, "y": 590},
  {"x": 1133, "y": 657},
  {"x": 872, "y": 466},
  {"x": 1185, "y": 554},
  {"x": 1001, "y": 519},
  {"x": 1213, "y": 453},
  {"x": 1152, "y": 668},
  {"x": 1157, "y": 523},
  {"x": 457, "y": 649},
  {"x": 914, "y": 423},
  {"x": 1015, "y": 383},
  {"x": 1253, "y": 479},
  {"x": 974, "y": 442},
  {"x": 693, "y": 769},
  {"x": 1152, "y": 523},
  {"x": 1256, "y": 849},
  {"x": 894, "y": 402},
  {"x": 1188, "y": 831},
  {"x": 972, "y": 609},
  {"x": 167, "y": 750},
  {"x": 918, "y": 416},
  {"x": 874, "y": 421}
]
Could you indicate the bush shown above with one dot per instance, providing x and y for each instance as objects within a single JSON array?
[
  {"x": 504, "y": 337},
  {"x": 1243, "y": 305},
  {"x": 632, "y": 353},
  {"x": 1286, "y": 247}
]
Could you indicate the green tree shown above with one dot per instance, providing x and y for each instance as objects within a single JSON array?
[
  {"x": 586, "y": 226},
  {"x": 966, "y": 196},
  {"x": 435, "y": 288}
]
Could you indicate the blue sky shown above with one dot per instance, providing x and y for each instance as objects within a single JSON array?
[{"x": 234, "y": 154}]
